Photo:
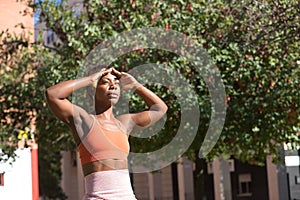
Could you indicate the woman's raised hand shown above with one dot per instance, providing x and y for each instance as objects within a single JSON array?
[
  {"x": 116, "y": 73},
  {"x": 96, "y": 76},
  {"x": 128, "y": 82}
]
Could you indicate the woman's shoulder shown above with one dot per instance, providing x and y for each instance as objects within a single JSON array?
[{"x": 83, "y": 124}]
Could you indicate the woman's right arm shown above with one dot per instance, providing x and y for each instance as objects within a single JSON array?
[
  {"x": 57, "y": 98},
  {"x": 57, "y": 95}
]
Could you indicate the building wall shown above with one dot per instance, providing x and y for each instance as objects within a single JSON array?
[
  {"x": 72, "y": 181},
  {"x": 245, "y": 181},
  {"x": 158, "y": 185},
  {"x": 185, "y": 179},
  {"x": 69, "y": 181},
  {"x": 17, "y": 177},
  {"x": 283, "y": 188},
  {"x": 153, "y": 185},
  {"x": 12, "y": 18},
  {"x": 292, "y": 160},
  {"x": 141, "y": 185},
  {"x": 170, "y": 183},
  {"x": 259, "y": 184}
]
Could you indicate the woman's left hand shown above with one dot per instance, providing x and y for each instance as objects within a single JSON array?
[{"x": 128, "y": 82}]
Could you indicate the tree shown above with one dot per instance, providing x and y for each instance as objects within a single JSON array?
[
  {"x": 255, "y": 45},
  {"x": 22, "y": 103}
]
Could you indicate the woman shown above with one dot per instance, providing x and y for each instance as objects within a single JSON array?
[{"x": 102, "y": 138}]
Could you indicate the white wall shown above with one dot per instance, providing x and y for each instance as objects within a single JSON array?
[{"x": 17, "y": 177}]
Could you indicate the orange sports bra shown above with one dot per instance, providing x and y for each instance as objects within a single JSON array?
[{"x": 103, "y": 143}]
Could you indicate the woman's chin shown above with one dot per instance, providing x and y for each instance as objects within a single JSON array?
[{"x": 114, "y": 101}]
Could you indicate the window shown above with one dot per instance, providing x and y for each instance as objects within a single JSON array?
[
  {"x": 245, "y": 185},
  {"x": 76, "y": 9},
  {"x": 2, "y": 179},
  {"x": 50, "y": 36}
]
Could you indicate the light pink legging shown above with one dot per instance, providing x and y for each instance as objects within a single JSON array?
[{"x": 109, "y": 185}]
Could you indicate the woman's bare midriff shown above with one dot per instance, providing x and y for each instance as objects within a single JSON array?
[{"x": 104, "y": 165}]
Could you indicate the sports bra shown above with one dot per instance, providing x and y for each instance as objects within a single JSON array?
[{"x": 103, "y": 143}]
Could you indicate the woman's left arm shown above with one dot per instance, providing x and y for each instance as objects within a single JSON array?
[{"x": 156, "y": 107}]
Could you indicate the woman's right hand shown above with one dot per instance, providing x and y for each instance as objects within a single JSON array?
[{"x": 96, "y": 76}]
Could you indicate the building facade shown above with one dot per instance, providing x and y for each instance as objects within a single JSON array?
[
  {"x": 174, "y": 182},
  {"x": 13, "y": 18},
  {"x": 290, "y": 174},
  {"x": 223, "y": 180},
  {"x": 16, "y": 177}
]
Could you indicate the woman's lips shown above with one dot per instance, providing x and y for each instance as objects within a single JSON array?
[{"x": 113, "y": 95}]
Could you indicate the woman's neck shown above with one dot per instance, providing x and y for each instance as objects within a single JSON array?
[{"x": 105, "y": 113}]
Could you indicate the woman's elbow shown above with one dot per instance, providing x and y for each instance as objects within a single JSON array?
[
  {"x": 164, "y": 108},
  {"x": 50, "y": 94},
  {"x": 160, "y": 109}
]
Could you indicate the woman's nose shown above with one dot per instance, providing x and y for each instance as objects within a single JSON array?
[{"x": 113, "y": 86}]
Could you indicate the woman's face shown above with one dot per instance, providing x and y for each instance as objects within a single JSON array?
[{"x": 108, "y": 89}]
